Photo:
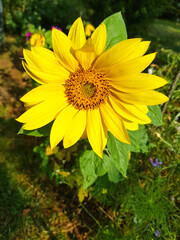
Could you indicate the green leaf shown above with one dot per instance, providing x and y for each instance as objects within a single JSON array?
[
  {"x": 155, "y": 115},
  {"x": 138, "y": 140},
  {"x": 88, "y": 168},
  {"x": 92, "y": 166},
  {"x": 48, "y": 37},
  {"x": 106, "y": 165},
  {"x": 41, "y": 132},
  {"x": 101, "y": 165},
  {"x": 116, "y": 29},
  {"x": 113, "y": 174},
  {"x": 119, "y": 153}
]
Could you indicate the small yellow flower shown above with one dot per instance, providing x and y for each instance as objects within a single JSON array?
[
  {"x": 51, "y": 152},
  {"x": 89, "y": 28},
  {"x": 87, "y": 91},
  {"x": 82, "y": 194},
  {"x": 63, "y": 173},
  {"x": 37, "y": 40}
]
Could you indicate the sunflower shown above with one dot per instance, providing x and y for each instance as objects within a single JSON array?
[
  {"x": 89, "y": 28},
  {"x": 37, "y": 40},
  {"x": 88, "y": 91}
]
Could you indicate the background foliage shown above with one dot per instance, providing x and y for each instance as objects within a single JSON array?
[
  {"x": 43, "y": 194},
  {"x": 137, "y": 14}
]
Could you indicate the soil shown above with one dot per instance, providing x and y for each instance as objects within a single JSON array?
[
  {"x": 59, "y": 209},
  {"x": 13, "y": 79}
]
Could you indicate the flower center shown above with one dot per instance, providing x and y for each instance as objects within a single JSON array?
[{"x": 86, "y": 89}]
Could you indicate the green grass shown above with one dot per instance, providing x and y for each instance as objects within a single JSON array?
[
  {"x": 28, "y": 205},
  {"x": 165, "y": 33},
  {"x": 33, "y": 207}
]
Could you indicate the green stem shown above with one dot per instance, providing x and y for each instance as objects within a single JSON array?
[
  {"x": 173, "y": 86},
  {"x": 91, "y": 215}
]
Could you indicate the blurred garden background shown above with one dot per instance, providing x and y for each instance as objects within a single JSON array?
[{"x": 41, "y": 192}]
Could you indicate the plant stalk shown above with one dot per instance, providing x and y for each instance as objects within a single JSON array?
[{"x": 171, "y": 90}]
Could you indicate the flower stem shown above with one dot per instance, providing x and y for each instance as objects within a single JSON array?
[
  {"x": 171, "y": 91},
  {"x": 91, "y": 215}
]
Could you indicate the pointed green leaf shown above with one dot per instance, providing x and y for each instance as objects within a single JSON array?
[
  {"x": 113, "y": 174},
  {"x": 101, "y": 165},
  {"x": 116, "y": 29},
  {"x": 138, "y": 140},
  {"x": 40, "y": 132},
  {"x": 48, "y": 37},
  {"x": 119, "y": 153},
  {"x": 88, "y": 168},
  {"x": 93, "y": 166},
  {"x": 155, "y": 115}
]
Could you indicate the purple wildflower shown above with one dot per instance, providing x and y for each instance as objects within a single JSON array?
[
  {"x": 157, "y": 233},
  {"x": 155, "y": 163},
  {"x": 178, "y": 129},
  {"x": 56, "y": 28},
  {"x": 28, "y": 34}
]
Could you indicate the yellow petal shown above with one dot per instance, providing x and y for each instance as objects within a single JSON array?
[
  {"x": 61, "y": 125},
  {"x": 43, "y": 77},
  {"x": 132, "y": 67},
  {"x": 96, "y": 131},
  {"x": 132, "y": 126},
  {"x": 117, "y": 54},
  {"x": 141, "y": 98},
  {"x": 42, "y": 113},
  {"x": 92, "y": 48},
  {"x": 76, "y": 34},
  {"x": 43, "y": 92},
  {"x": 89, "y": 28},
  {"x": 99, "y": 38},
  {"x": 129, "y": 111},
  {"x": 114, "y": 123},
  {"x": 75, "y": 130},
  {"x": 44, "y": 60},
  {"x": 137, "y": 83},
  {"x": 140, "y": 50},
  {"x": 28, "y": 105},
  {"x": 62, "y": 49},
  {"x": 86, "y": 54},
  {"x": 143, "y": 108}
]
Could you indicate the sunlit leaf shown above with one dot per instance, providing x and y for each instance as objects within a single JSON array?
[
  {"x": 88, "y": 168},
  {"x": 40, "y": 132},
  {"x": 116, "y": 29},
  {"x": 155, "y": 115},
  {"x": 138, "y": 140},
  {"x": 113, "y": 174},
  {"x": 119, "y": 153},
  {"x": 101, "y": 165}
]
